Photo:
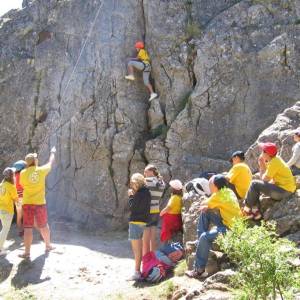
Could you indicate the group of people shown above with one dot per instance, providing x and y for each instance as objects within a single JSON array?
[
  {"x": 230, "y": 196},
  {"x": 24, "y": 185}
]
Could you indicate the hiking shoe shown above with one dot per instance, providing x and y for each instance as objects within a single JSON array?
[
  {"x": 195, "y": 273},
  {"x": 129, "y": 77},
  {"x": 24, "y": 255},
  {"x": 137, "y": 276},
  {"x": 153, "y": 96},
  {"x": 247, "y": 212}
]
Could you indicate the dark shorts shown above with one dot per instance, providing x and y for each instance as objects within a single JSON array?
[
  {"x": 153, "y": 220},
  {"x": 37, "y": 212}
]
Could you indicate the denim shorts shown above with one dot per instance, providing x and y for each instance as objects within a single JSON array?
[
  {"x": 135, "y": 231},
  {"x": 153, "y": 220}
]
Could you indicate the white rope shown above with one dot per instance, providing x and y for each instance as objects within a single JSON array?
[{"x": 51, "y": 132}]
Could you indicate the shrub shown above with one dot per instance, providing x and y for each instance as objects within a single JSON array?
[{"x": 263, "y": 261}]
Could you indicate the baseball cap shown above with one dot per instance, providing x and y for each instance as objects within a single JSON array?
[
  {"x": 176, "y": 184},
  {"x": 239, "y": 154},
  {"x": 269, "y": 148},
  {"x": 30, "y": 157},
  {"x": 297, "y": 132}
]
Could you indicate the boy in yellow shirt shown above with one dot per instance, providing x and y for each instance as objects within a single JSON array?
[
  {"x": 223, "y": 199},
  {"x": 239, "y": 176},
  {"x": 141, "y": 63},
  {"x": 171, "y": 214},
  {"x": 277, "y": 180}
]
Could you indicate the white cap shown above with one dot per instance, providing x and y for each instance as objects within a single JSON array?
[{"x": 176, "y": 184}]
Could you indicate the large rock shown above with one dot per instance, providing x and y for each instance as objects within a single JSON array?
[{"x": 223, "y": 71}]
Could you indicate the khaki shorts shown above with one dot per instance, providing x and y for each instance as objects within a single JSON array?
[{"x": 142, "y": 67}]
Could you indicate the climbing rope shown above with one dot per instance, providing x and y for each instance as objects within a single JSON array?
[{"x": 61, "y": 125}]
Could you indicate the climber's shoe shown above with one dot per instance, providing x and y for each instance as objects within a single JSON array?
[
  {"x": 153, "y": 96},
  {"x": 129, "y": 77}
]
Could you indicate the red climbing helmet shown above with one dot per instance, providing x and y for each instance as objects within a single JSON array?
[{"x": 139, "y": 45}]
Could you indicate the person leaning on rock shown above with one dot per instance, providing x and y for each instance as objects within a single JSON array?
[
  {"x": 294, "y": 162},
  {"x": 277, "y": 180},
  {"x": 139, "y": 206},
  {"x": 33, "y": 180},
  {"x": 141, "y": 63},
  {"x": 156, "y": 186},
  {"x": 224, "y": 200},
  {"x": 239, "y": 176}
]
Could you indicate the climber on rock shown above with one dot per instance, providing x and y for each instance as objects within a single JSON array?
[
  {"x": 294, "y": 162},
  {"x": 277, "y": 181},
  {"x": 141, "y": 63},
  {"x": 34, "y": 202},
  {"x": 224, "y": 200},
  {"x": 239, "y": 176}
]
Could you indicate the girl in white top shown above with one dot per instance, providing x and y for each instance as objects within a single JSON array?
[{"x": 294, "y": 162}]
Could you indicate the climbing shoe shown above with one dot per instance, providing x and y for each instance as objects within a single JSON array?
[
  {"x": 129, "y": 77},
  {"x": 153, "y": 96}
]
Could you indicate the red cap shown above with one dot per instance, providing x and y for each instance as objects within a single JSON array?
[
  {"x": 269, "y": 148},
  {"x": 139, "y": 45}
]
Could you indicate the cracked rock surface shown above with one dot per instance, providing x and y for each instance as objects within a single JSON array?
[{"x": 223, "y": 71}]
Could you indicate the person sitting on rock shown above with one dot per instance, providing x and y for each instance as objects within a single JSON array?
[
  {"x": 224, "y": 200},
  {"x": 156, "y": 185},
  {"x": 8, "y": 196},
  {"x": 141, "y": 63},
  {"x": 171, "y": 214},
  {"x": 139, "y": 206},
  {"x": 294, "y": 162},
  {"x": 239, "y": 176},
  {"x": 277, "y": 180}
]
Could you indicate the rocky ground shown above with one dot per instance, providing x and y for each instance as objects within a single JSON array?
[{"x": 87, "y": 266}]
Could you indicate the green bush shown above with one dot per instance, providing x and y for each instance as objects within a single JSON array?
[{"x": 263, "y": 262}]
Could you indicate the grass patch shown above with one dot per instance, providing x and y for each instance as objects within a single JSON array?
[
  {"x": 192, "y": 31},
  {"x": 297, "y": 22},
  {"x": 164, "y": 290},
  {"x": 160, "y": 130},
  {"x": 20, "y": 295},
  {"x": 180, "y": 268}
]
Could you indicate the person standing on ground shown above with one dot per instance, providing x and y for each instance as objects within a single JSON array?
[
  {"x": 8, "y": 195},
  {"x": 239, "y": 176},
  {"x": 33, "y": 180},
  {"x": 224, "y": 200},
  {"x": 139, "y": 206},
  {"x": 277, "y": 181},
  {"x": 294, "y": 162},
  {"x": 156, "y": 185},
  {"x": 19, "y": 166},
  {"x": 171, "y": 214},
  {"x": 141, "y": 63}
]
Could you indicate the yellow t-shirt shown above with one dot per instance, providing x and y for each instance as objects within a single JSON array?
[
  {"x": 281, "y": 174},
  {"x": 175, "y": 205},
  {"x": 225, "y": 200},
  {"x": 8, "y": 193},
  {"x": 240, "y": 176},
  {"x": 144, "y": 56},
  {"x": 33, "y": 180}
]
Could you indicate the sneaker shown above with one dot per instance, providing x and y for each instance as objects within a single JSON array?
[
  {"x": 195, "y": 273},
  {"x": 129, "y": 77},
  {"x": 137, "y": 276},
  {"x": 153, "y": 96},
  {"x": 256, "y": 215},
  {"x": 3, "y": 253}
]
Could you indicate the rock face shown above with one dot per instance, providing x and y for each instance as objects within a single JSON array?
[{"x": 223, "y": 70}]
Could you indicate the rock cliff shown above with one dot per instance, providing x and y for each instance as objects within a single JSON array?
[{"x": 223, "y": 70}]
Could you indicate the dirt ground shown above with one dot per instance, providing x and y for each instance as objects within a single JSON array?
[{"x": 83, "y": 266}]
